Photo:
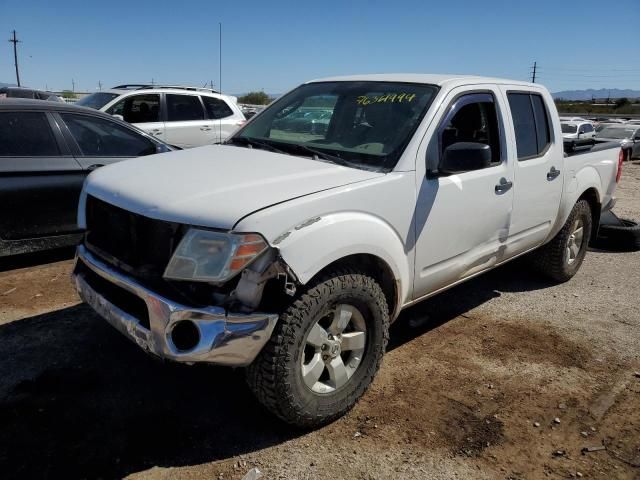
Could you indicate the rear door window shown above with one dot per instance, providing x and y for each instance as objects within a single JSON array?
[
  {"x": 26, "y": 134},
  {"x": 524, "y": 125},
  {"x": 99, "y": 137},
  {"x": 182, "y": 108},
  {"x": 531, "y": 124},
  {"x": 543, "y": 132},
  {"x": 138, "y": 108},
  {"x": 216, "y": 108}
]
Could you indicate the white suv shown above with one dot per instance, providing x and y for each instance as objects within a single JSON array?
[
  {"x": 577, "y": 133},
  {"x": 181, "y": 116}
]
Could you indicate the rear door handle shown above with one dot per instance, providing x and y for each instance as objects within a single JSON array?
[
  {"x": 205, "y": 129},
  {"x": 94, "y": 166},
  {"x": 553, "y": 173},
  {"x": 503, "y": 186}
]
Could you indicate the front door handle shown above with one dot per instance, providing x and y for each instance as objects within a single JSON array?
[
  {"x": 94, "y": 166},
  {"x": 503, "y": 186},
  {"x": 205, "y": 129},
  {"x": 553, "y": 173}
]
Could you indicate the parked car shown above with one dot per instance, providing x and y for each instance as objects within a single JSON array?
[
  {"x": 304, "y": 121},
  {"x": 22, "y": 92},
  {"x": 577, "y": 133},
  {"x": 46, "y": 151},
  {"x": 627, "y": 135},
  {"x": 572, "y": 119},
  {"x": 291, "y": 257},
  {"x": 182, "y": 116}
]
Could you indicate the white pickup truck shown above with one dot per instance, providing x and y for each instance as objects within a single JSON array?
[{"x": 290, "y": 252}]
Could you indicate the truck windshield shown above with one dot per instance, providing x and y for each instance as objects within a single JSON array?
[
  {"x": 567, "y": 128},
  {"x": 357, "y": 124},
  {"x": 96, "y": 100}
]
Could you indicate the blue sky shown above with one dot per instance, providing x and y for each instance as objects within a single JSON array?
[{"x": 275, "y": 45}]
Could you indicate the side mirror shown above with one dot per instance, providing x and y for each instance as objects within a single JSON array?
[
  {"x": 465, "y": 156},
  {"x": 119, "y": 117}
]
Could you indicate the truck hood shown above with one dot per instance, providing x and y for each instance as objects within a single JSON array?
[{"x": 214, "y": 186}]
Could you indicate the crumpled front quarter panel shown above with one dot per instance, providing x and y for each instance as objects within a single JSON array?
[{"x": 372, "y": 217}]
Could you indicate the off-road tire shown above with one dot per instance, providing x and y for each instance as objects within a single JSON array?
[
  {"x": 623, "y": 237},
  {"x": 551, "y": 258},
  {"x": 275, "y": 375}
]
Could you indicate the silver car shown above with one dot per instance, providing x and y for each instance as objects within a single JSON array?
[{"x": 627, "y": 134}]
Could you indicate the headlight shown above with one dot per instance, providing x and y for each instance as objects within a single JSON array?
[{"x": 203, "y": 255}]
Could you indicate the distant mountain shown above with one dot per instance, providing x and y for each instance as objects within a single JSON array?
[
  {"x": 2, "y": 84},
  {"x": 591, "y": 93}
]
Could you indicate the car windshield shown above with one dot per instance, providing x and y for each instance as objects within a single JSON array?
[
  {"x": 357, "y": 124},
  {"x": 567, "y": 128},
  {"x": 96, "y": 100},
  {"x": 616, "y": 132}
]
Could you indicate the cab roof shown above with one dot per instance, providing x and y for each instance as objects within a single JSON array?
[{"x": 431, "y": 79}]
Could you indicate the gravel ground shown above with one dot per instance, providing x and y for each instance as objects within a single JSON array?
[{"x": 506, "y": 376}]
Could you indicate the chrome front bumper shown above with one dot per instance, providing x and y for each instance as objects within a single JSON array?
[{"x": 224, "y": 338}]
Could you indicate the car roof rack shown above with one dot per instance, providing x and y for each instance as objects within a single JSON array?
[
  {"x": 132, "y": 86},
  {"x": 136, "y": 86}
]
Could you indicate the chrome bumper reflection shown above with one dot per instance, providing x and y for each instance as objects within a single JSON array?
[{"x": 224, "y": 338}]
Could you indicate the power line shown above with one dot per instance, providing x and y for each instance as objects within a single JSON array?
[
  {"x": 15, "y": 42},
  {"x": 591, "y": 69}
]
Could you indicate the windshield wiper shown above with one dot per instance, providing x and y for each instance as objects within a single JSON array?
[
  {"x": 251, "y": 143},
  {"x": 317, "y": 154}
]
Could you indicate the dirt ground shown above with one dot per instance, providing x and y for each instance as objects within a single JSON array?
[{"x": 506, "y": 377}]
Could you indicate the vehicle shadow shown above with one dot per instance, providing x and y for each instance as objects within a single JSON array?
[
  {"x": 77, "y": 400},
  {"x": 26, "y": 260},
  {"x": 429, "y": 314}
]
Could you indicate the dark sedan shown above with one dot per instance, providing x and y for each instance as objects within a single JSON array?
[{"x": 46, "y": 151}]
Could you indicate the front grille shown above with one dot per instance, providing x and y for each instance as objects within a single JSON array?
[
  {"x": 121, "y": 298},
  {"x": 139, "y": 245}
]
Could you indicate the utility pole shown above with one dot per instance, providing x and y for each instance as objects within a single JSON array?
[
  {"x": 15, "y": 42},
  {"x": 73, "y": 85},
  {"x": 533, "y": 73},
  {"x": 99, "y": 85}
]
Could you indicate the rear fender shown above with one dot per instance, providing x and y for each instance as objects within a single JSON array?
[{"x": 583, "y": 180}]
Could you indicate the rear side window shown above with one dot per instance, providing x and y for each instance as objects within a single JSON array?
[
  {"x": 531, "y": 124},
  {"x": 524, "y": 125},
  {"x": 184, "y": 107},
  {"x": 138, "y": 108},
  {"x": 26, "y": 134},
  {"x": 543, "y": 133},
  {"x": 97, "y": 137},
  {"x": 216, "y": 108}
]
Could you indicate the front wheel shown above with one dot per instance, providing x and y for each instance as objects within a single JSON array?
[
  {"x": 561, "y": 258},
  {"x": 324, "y": 351}
]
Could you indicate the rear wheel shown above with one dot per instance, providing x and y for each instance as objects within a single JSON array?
[
  {"x": 560, "y": 259},
  {"x": 324, "y": 352}
]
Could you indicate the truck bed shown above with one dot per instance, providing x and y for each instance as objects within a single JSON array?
[{"x": 596, "y": 147}]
